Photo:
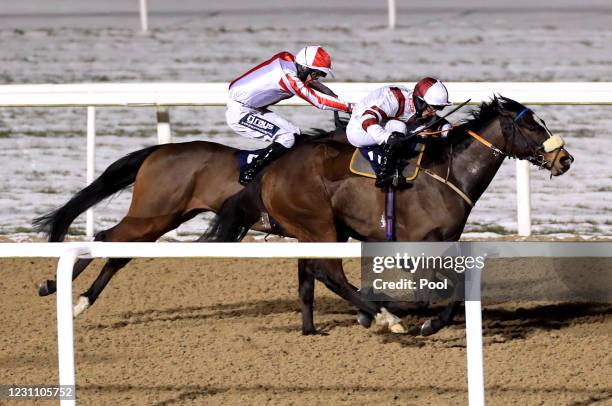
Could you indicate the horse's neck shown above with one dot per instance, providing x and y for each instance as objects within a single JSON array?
[{"x": 475, "y": 165}]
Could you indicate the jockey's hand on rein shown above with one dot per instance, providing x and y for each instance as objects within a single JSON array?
[{"x": 397, "y": 139}]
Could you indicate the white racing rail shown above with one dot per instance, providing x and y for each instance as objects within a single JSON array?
[
  {"x": 164, "y": 95},
  {"x": 69, "y": 252}
]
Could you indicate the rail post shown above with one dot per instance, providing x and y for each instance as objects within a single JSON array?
[
  {"x": 65, "y": 324},
  {"x": 473, "y": 331},
  {"x": 144, "y": 16},
  {"x": 523, "y": 198},
  {"x": 91, "y": 164},
  {"x": 392, "y": 14},
  {"x": 164, "y": 132}
]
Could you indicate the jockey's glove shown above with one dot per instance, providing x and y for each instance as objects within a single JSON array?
[{"x": 398, "y": 139}]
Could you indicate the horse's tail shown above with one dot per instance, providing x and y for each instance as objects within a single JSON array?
[
  {"x": 119, "y": 175},
  {"x": 236, "y": 216}
]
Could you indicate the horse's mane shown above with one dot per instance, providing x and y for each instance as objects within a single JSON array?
[
  {"x": 478, "y": 117},
  {"x": 486, "y": 112}
]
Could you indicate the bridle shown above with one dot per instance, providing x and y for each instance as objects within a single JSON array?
[{"x": 553, "y": 143}]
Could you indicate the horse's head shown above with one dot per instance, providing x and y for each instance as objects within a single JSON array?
[{"x": 527, "y": 137}]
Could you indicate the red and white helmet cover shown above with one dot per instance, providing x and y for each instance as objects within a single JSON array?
[
  {"x": 315, "y": 57},
  {"x": 432, "y": 91}
]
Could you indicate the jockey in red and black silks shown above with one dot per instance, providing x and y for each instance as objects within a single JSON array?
[
  {"x": 280, "y": 77},
  {"x": 380, "y": 119}
]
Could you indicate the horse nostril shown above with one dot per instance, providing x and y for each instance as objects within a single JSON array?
[{"x": 566, "y": 160}]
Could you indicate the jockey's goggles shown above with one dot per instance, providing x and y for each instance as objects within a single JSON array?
[
  {"x": 437, "y": 108},
  {"x": 316, "y": 74}
]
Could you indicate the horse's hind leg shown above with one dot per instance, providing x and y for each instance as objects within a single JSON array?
[
  {"x": 91, "y": 295},
  {"x": 49, "y": 287},
  {"x": 129, "y": 229},
  {"x": 329, "y": 271},
  {"x": 306, "y": 291}
]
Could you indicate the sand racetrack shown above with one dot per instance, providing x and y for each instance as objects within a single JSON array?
[{"x": 171, "y": 332}]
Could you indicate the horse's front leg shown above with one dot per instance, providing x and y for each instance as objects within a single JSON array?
[
  {"x": 446, "y": 316},
  {"x": 330, "y": 272}
]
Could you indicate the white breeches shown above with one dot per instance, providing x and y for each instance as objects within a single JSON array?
[
  {"x": 358, "y": 137},
  {"x": 260, "y": 123}
]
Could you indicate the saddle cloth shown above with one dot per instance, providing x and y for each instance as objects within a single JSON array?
[
  {"x": 366, "y": 161},
  {"x": 245, "y": 156}
]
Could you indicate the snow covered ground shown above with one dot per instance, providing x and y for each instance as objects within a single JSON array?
[{"x": 42, "y": 150}]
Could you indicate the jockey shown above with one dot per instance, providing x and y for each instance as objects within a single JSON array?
[
  {"x": 382, "y": 116},
  {"x": 280, "y": 77}
]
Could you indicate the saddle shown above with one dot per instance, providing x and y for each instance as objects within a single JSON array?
[{"x": 366, "y": 161}]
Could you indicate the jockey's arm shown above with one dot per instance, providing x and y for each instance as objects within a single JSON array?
[
  {"x": 370, "y": 123},
  {"x": 320, "y": 87},
  {"x": 295, "y": 85},
  {"x": 439, "y": 133},
  {"x": 374, "y": 115}
]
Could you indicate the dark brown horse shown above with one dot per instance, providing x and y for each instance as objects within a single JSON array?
[
  {"x": 314, "y": 198},
  {"x": 172, "y": 184},
  {"x": 175, "y": 182}
]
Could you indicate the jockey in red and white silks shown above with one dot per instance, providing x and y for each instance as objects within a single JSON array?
[
  {"x": 270, "y": 82},
  {"x": 389, "y": 106},
  {"x": 280, "y": 77},
  {"x": 380, "y": 118},
  {"x": 384, "y": 111}
]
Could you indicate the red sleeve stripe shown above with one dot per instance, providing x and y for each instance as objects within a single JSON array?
[
  {"x": 372, "y": 113},
  {"x": 401, "y": 100},
  {"x": 283, "y": 86},
  {"x": 383, "y": 115},
  {"x": 282, "y": 55},
  {"x": 367, "y": 123},
  {"x": 321, "y": 100}
]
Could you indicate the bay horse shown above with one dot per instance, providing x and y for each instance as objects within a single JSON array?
[
  {"x": 314, "y": 198},
  {"x": 175, "y": 182}
]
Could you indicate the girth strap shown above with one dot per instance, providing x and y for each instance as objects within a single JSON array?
[{"x": 450, "y": 184}]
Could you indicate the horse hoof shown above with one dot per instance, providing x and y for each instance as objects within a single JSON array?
[
  {"x": 429, "y": 327},
  {"x": 46, "y": 288},
  {"x": 398, "y": 328},
  {"x": 364, "y": 319},
  {"x": 81, "y": 306}
]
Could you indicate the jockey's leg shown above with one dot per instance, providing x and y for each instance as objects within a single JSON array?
[
  {"x": 391, "y": 155},
  {"x": 261, "y": 124},
  {"x": 250, "y": 170}
]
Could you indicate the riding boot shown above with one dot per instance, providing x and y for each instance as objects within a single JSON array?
[
  {"x": 389, "y": 162},
  {"x": 250, "y": 170}
]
